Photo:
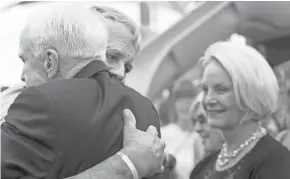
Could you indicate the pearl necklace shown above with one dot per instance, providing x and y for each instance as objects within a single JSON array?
[{"x": 225, "y": 157}]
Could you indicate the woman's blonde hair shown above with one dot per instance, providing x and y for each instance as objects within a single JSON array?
[
  {"x": 197, "y": 105},
  {"x": 254, "y": 82}
]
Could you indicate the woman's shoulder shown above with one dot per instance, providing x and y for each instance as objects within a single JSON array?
[
  {"x": 277, "y": 151},
  {"x": 274, "y": 147},
  {"x": 268, "y": 148},
  {"x": 273, "y": 160}
]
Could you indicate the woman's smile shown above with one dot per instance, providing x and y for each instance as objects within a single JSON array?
[{"x": 215, "y": 112}]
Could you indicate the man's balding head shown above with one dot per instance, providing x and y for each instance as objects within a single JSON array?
[{"x": 72, "y": 30}]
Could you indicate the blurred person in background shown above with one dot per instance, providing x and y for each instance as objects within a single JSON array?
[
  {"x": 177, "y": 131},
  {"x": 7, "y": 97},
  {"x": 211, "y": 138},
  {"x": 169, "y": 130},
  {"x": 44, "y": 47},
  {"x": 240, "y": 90},
  {"x": 282, "y": 115},
  {"x": 183, "y": 95},
  {"x": 167, "y": 113},
  {"x": 279, "y": 124}
]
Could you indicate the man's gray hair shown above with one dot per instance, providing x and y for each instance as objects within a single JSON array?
[
  {"x": 71, "y": 31},
  {"x": 117, "y": 16}
]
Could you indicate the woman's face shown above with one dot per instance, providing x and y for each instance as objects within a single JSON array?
[
  {"x": 212, "y": 139},
  {"x": 219, "y": 99}
]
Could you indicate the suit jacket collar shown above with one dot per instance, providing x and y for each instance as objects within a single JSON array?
[{"x": 91, "y": 69}]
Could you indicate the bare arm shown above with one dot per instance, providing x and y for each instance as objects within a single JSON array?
[{"x": 112, "y": 168}]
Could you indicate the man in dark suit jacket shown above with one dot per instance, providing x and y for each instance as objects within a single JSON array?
[{"x": 52, "y": 127}]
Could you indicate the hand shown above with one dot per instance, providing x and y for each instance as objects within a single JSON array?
[
  {"x": 144, "y": 149},
  {"x": 169, "y": 162}
]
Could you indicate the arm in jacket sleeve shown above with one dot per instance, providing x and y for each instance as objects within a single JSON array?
[{"x": 27, "y": 136}]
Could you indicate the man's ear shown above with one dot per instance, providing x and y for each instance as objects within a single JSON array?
[{"x": 51, "y": 63}]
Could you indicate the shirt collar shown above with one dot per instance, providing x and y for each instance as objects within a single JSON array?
[{"x": 91, "y": 69}]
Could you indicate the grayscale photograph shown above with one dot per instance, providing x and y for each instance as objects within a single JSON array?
[{"x": 145, "y": 89}]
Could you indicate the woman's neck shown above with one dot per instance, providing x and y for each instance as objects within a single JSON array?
[{"x": 238, "y": 135}]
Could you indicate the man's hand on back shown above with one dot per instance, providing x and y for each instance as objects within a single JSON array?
[{"x": 145, "y": 149}]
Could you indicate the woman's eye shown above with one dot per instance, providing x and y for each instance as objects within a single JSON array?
[{"x": 221, "y": 89}]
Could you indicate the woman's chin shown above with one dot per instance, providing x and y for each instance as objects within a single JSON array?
[{"x": 216, "y": 123}]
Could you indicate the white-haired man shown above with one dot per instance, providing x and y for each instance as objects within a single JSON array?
[
  {"x": 68, "y": 119},
  {"x": 123, "y": 46}
]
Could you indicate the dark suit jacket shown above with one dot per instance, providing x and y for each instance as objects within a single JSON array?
[{"x": 63, "y": 127}]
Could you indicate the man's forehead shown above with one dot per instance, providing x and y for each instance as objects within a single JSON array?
[
  {"x": 23, "y": 47},
  {"x": 26, "y": 38},
  {"x": 21, "y": 50},
  {"x": 119, "y": 31},
  {"x": 120, "y": 36},
  {"x": 122, "y": 49}
]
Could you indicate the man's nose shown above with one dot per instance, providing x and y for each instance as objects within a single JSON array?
[
  {"x": 23, "y": 77},
  {"x": 118, "y": 71}
]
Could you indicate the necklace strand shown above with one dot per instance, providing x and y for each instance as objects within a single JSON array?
[{"x": 225, "y": 157}]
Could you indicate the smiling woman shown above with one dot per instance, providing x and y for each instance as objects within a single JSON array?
[
  {"x": 240, "y": 90},
  {"x": 217, "y": 86}
]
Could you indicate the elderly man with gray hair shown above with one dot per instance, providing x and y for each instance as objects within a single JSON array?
[{"x": 68, "y": 119}]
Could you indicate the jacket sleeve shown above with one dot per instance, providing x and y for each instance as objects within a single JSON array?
[{"x": 27, "y": 136}]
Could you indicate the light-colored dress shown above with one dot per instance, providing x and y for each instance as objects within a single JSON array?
[
  {"x": 7, "y": 97},
  {"x": 182, "y": 145}
]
